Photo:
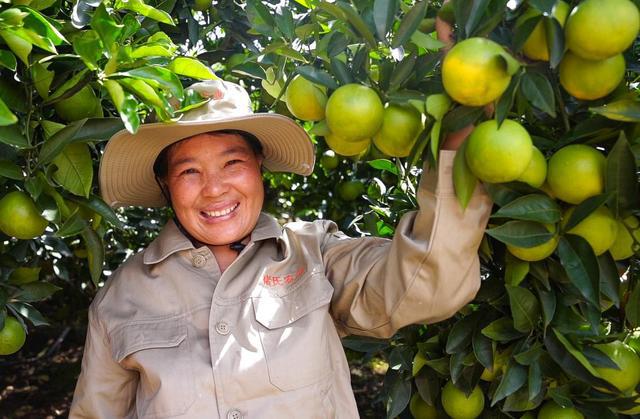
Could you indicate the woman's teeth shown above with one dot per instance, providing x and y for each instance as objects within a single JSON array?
[{"x": 220, "y": 213}]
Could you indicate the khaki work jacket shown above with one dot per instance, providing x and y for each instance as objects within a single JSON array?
[{"x": 170, "y": 336}]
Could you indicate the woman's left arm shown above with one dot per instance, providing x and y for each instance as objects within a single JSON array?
[{"x": 425, "y": 274}]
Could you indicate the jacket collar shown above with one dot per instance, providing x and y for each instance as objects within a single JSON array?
[{"x": 171, "y": 240}]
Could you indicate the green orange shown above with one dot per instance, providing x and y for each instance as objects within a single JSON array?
[
  {"x": 460, "y": 406},
  {"x": 536, "y": 172},
  {"x": 19, "y": 216},
  {"x": 306, "y": 100},
  {"x": 538, "y": 252},
  {"x": 552, "y": 410},
  {"x": 576, "y": 172},
  {"x": 627, "y": 377},
  {"x": 622, "y": 247},
  {"x": 82, "y": 104},
  {"x": 12, "y": 336},
  {"x": 588, "y": 79},
  {"x": 599, "y": 228},
  {"x": 347, "y": 148},
  {"x": 399, "y": 131},
  {"x": 536, "y": 46},
  {"x": 354, "y": 112}
]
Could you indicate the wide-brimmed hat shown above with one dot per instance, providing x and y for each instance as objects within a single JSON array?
[{"x": 126, "y": 169}]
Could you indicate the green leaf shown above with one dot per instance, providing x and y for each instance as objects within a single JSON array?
[
  {"x": 460, "y": 335},
  {"x": 435, "y": 139},
  {"x": 543, "y": 6},
  {"x": 626, "y": 110},
  {"x": 461, "y": 117},
  {"x": 501, "y": 330},
  {"x": 10, "y": 170},
  {"x": 8, "y": 60},
  {"x": 516, "y": 270},
  {"x": 108, "y": 29},
  {"x": 42, "y": 78},
  {"x": 384, "y": 12},
  {"x": 43, "y": 26},
  {"x": 476, "y": 13},
  {"x": 36, "y": 291},
  {"x": 6, "y": 116},
  {"x": 523, "y": 31},
  {"x": 30, "y": 312},
  {"x": 341, "y": 71},
  {"x": 12, "y": 135},
  {"x": 482, "y": 349},
  {"x": 521, "y": 233},
  {"x": 140, "y": 7},
  {"x": 384, "y": 165},
  {"x": 538, "y": 90},
  {"x": 585, "y": 208},
  {"x": 152, "y": 98},
  {"x": 19, "y": 46},
  {"x": 555, "y": 41},
  {"x": 525, "y": 308},
  {"x": 609, "y": 278},
  {"x": 95, "y": 250},
  {"x": 69, "y": 87},
  {"x": 621, "y": 180},
  {"x": 97, "y": 129},
  {"x": 285, "y": 24},
  {"x": 533, "y": 207},
  {"x": 89, "y": 47},
  {"x": 163, "y": 78},
  {"x": 126, "y": 105},
  {"x": 426, "y": 41},
  {"x": 402, "y": 72},
  {"x": 409, "y": 23},
  {"x": 98, "y": 206},
  {"x": 581, "y": 265},
  {"x": 576, "y": 353},
  {"x": 74, "y": 169},
  {"x": 632, "y": 309},
  {"x": 512, "y": 380},
  {"x": 358, "y": 23},
  {"x": 529, "y": 356},
  {"x": 505, "y": 102},
  {"x": 548, "y": 303},
  {"x": 74, "y": 225},
  {"x": 260, "y": 18},
  {"x": 398, "y": 396},
  {"x": 520, "y": 401},
  {"x": 317, "y": 76},
  {"x": 464, "y": 181}
]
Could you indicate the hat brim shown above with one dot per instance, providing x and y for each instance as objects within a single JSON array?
[{"x": 126, "y": 169}]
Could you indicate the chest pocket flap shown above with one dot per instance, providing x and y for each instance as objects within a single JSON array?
[
  {"x": 135, "y": 337},
  {"x": 278, "y": 311}
]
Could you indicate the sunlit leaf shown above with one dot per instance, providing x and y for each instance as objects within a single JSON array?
[{"x": 74, "y": 169}]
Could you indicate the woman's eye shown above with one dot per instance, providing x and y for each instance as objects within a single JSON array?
[
  {"x": 188, "y": 171},
  {"x": 232, "y": 162}
]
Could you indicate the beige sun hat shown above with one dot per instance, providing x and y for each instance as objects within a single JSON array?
[{"x": 126, "y": 168}]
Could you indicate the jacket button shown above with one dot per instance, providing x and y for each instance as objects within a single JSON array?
[
  {"x": 234, "y": 414},
  {"x": 199, "y": 261},
  {"x": 223, "y": 329}
]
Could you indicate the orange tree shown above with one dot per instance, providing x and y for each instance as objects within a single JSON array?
[{"x": 559, "y": 259}]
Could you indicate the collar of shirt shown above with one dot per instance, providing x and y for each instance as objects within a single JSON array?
[{"x": 171, "y": 240}]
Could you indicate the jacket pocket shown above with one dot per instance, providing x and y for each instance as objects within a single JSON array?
[
  {"x": 159, "y": 351},
  {"x": 294, "y": 330}
]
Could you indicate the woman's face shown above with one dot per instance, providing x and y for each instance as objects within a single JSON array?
[{"x": 216, "y": 187}]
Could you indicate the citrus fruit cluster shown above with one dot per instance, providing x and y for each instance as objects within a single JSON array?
[{"x": 355, "y": 118}]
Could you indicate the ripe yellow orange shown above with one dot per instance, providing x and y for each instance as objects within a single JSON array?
[
  {"x": 622, "y": 247},
  {"x": 598, "y": 29},
  {"x": 576, "y": 172},
  {"x": 536, "y": 46},
  {"x": 347, "y": 148},
  {"x": 12, "y": 336},
  {"x": 306, "y": 100},
  {"x": 477, "y": 71},
  {"x": 497, "y": 155},
  {"x": 83, "y": 104},
  {"x": 400, "y": 128},
  {"x": 628, "y": 376},
  {"x": 19, "y": 216},
  {"x": 420, "y": 409},
  {"x": 588, "y": 79},
  {"x": 552, "y": 410},
  {"x": 536, "y": 172},
  {"x": 538, "y": 252},
  {"x": 599, "y": 228},
  {"x": 458, "y": 405},
  {"x": 354, "y": 112}
]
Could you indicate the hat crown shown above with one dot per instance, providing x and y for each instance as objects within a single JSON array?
[{"x": 225, "y": 100}]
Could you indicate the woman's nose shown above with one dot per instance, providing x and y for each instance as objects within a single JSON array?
[{"x": 215, "y": 185}]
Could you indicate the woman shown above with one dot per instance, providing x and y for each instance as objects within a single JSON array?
[{"x": 227, "y": 314}]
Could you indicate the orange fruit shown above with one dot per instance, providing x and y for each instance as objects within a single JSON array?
[
  {"x": 536, "y": 172},
  {"x": 622, "y": 247},
  {"x": 329, "y": 160},
  {"x": 354, "y": 112},
  {"x": 536, "y": 46},
  {"x": 400, "y": 128},
  {"x": 598, "y": 29},
  {"x": 539, "y": 252},
  {"x": 552, "y": 410},
  {"x": 19, "y": 216},
  {"x": 420, "y": 409},
  {"x": 599, "y": 229},
  {"x": 458, "y": 405},
  {"x": 347, "y": 148},
  {"x": 576, "y": 172},
  {"x": 477, "y": 71},
  {"x": 83, "y": 104},
  {"x": 628, "y": 376},
  {"x": 306, "y": 100},
  {"x": 589, "y": 80},
  {"x": 12, "y": 336},
  {"x": 497, "y": 155},
  {"x": 350, "y": 190}
]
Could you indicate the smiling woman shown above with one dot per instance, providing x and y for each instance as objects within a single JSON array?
[{"x": 227, "y": 313}]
